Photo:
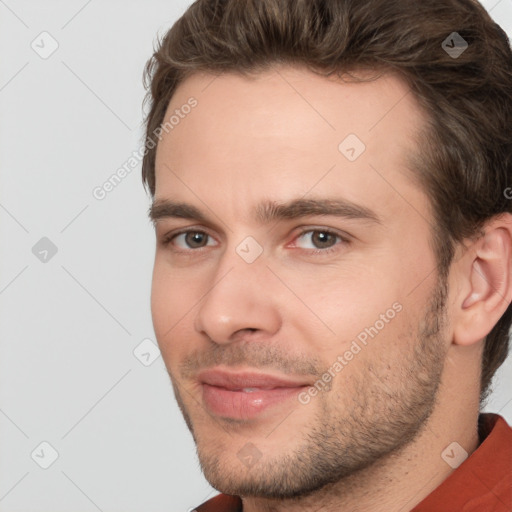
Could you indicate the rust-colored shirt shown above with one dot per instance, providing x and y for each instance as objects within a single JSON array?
[{"x": 482, "y": 483}]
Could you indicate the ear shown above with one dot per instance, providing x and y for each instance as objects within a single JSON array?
[{"x": 485, "y": 282}]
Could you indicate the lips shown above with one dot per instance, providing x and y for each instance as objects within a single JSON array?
[
  {"x": 244, "y": 395},
  {"x": 238, "y": 381}
]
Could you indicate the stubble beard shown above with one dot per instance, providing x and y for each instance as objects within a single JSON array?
[{"x": 380, "y": 418}]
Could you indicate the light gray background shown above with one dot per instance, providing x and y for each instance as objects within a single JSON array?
[{"x": 70, "y": 325}]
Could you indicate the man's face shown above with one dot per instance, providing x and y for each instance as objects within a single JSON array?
[{"x": 302, "y": 343}]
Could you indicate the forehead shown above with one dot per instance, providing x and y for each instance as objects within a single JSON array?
[{"x": 287, "y": 131}]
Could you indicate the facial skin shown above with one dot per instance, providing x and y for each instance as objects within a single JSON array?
[{"x": 372, "y": 441}]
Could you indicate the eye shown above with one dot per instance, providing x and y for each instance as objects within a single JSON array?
[
  {"x": 314, "y": 241},
  {"x": 319, "y": 240},
  {"x": 191, "y": 239}
]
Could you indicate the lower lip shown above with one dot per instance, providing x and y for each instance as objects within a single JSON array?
[{"x": 242, "y": 404}]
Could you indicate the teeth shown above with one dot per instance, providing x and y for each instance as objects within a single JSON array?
[{"x": 249, "y": 390}]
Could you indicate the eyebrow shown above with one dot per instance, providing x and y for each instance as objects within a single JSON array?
[{"x": 270, "y": 211}]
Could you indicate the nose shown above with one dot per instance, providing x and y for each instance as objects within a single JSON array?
[{"x": 240, "y": 298}]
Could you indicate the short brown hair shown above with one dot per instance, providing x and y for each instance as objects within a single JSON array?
[{"x": 464, "y": 159}]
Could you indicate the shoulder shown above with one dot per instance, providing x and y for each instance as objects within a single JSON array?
[
  {"x": 483, "y": 482},
  {"x": 221, "y": 503}
]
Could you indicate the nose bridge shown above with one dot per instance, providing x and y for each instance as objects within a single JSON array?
[{"x": 238, "y": 296}]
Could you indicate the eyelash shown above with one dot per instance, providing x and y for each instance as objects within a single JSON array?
[{"x": 171, "y": 236}]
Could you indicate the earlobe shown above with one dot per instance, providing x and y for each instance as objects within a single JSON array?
[{"x": 489, "y": 276}]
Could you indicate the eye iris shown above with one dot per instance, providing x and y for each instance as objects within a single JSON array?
[
  {"x": 321, "y": 239},
  {"x": 195, "y": 239}
]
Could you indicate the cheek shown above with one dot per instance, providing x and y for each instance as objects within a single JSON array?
[
  {"x": 365, "y": 315},
  {"x": 171, "y": 303},
  {"x": 173, "y": 293},
  {"x": 346, "y": 299},
  {"x": 161, "y": 296}
]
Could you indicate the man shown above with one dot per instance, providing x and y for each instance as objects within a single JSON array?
[{"x": 333, "y": 272}]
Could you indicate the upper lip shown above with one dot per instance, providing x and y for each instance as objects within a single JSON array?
[{"x": 242, "y": 380}]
